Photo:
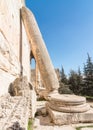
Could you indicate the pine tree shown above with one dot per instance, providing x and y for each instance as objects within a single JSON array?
[
  {"x": 63, "y": 76},
  {"x": 75, "y": 81},
  {"x": 64, "y": 87},
  {"x": 72, "y": 81},
  {"x": 79, "y": 81},
  {"x": 88, "y": 77}
]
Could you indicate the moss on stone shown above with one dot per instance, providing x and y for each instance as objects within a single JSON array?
[{"x": 30, "y": 124}]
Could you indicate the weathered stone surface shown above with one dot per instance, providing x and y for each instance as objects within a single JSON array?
[
  {"x": 18, "y": 86},
  {"x": 39, "y": 50},
  {"x": 32, "y": 104},
  {"x": 37, "y": 81},
  {"x": 61, "y": 118},
  {"x": 66, "y": 99},
  {"x": 37, "y": 126},
  {"x": 10, "y": 44},
  {"x": 58, "y": 74},
  {"x": 15, "y": 126},
  {"x": 13, "y": 109},
  {"x": 70, "y": 109},
  {"x": 33, "y": 77},
  {"x": 65, "y": 109},
  {"x": 5, "y": 80},
  {"x": 17, "y": 109}
]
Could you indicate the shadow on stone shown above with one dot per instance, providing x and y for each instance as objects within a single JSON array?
[
  {"x": 44, "y": 117},
  {"x": 16, "y": 126}
]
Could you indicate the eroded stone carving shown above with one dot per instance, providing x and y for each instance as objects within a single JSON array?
[{"x": 18, "y": 87}]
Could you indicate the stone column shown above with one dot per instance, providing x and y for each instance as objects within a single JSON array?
[{"x": 39, "y": 50}]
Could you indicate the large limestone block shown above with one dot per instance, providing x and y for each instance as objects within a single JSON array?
[
  {"x": 10, "y": 45},
  {"x": 10, "y": 22},
  {"x": 5, "y": 80},
  {"x": 19, "y": 85},
  {"x": 39, "y": 50},
  {"x": 61, "y": 118}
]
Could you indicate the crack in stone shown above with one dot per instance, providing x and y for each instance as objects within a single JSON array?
[{"x": 4, "y": 35}]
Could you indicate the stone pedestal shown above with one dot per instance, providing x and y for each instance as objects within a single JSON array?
[{"x": 66, "y": 109}]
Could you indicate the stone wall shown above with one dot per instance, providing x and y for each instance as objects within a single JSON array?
[
  {"x": 10, "y": 45},
  {"x": 33, "y": 77}
]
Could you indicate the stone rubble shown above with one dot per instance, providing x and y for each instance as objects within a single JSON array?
[{"x": 14, "y": 109}]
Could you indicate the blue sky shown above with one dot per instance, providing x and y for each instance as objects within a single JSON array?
[{"x": 67, "y": 29}]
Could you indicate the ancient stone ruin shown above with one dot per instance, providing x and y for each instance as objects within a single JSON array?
[{"x": 20, "y": 41}]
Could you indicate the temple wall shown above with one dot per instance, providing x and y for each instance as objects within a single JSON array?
[{"x": 10, "y": 44}]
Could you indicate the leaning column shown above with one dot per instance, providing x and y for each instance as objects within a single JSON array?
[{"x": 39, "y": 50}]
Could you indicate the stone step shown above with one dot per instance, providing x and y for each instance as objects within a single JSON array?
[{"x": 54, "y": 128}]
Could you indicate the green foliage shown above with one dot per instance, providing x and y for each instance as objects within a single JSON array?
[
  {"x": 89, "y": 98},
  {"x": 80, "y": 127},
  {"x": 64, "y": 89},
  {"x": 88, "y": 77},
  {"x": 88, "y": 68},
  {"x": 30, "y": 124},
  {"x": 75, "y": 81},
  {"x": 80, "y": 84},
  {"x": 63, "y": 76}
]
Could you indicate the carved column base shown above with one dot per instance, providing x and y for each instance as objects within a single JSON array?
[{"x": 66, "y": 109}]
